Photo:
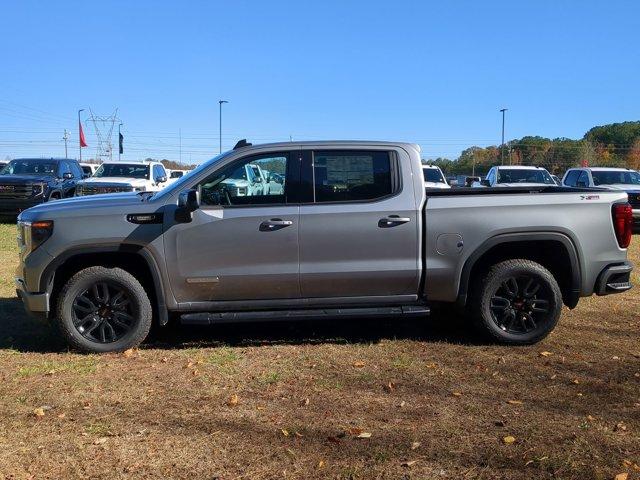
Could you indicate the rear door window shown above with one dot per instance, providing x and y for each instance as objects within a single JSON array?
[{"x": 343, "y": 176}]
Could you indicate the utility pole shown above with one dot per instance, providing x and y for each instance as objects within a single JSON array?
[
  {"x": 79, "y": 142},
  {"x": 220, "y": 102},
  {"x": 502, "y": 145},
  {"x": 119, "y": 141},
  {"x": 65, "y": 137}
]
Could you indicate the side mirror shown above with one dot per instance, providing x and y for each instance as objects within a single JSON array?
[
  {"x": 67, "y": 176},
  {"x": 485, "y": 183},
  {"x": 189, "y": 200},
  {"x": 161, "y": 179}
]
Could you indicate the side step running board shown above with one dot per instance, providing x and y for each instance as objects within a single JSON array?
[{"x": 210, "y": 318}]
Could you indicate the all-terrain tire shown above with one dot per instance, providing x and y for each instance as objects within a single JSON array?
[
  {"x": 517, "y": 314},
  {"x": 80, "y": 284}
]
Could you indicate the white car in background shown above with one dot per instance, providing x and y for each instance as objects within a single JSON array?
[
  {"x": 113, "y": 177},
  {"x": 518, "y": 176},
  {"x": 89, "y": 168},
  {"x": 433, "y": 177}
]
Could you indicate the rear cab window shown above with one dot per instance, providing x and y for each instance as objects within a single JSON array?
[{"x": 352, "y": 175}]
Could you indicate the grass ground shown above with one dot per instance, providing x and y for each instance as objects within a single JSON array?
[{"x": 389, "y": 399}]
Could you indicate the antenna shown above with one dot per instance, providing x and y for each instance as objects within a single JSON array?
[{"x": 103, "y": 126}]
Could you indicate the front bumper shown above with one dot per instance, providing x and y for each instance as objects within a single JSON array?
[
  {"x": 614, "y": 279},
  {"x": 13, "y": 206},
  {"x": 36, "y": 304}
]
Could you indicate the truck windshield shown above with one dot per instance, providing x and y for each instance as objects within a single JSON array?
[
  {"x": 515, "y": 175},
  {"x": 29, "y": 167},
  {"x": 612, "y": 177},
  {"x": 432, "y": 175},
  {"x": 123, "y": 170}
]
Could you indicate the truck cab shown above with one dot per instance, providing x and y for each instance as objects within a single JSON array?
[{"x": 517, "y": 176}]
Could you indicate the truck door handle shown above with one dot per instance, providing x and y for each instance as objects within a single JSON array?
[
  {"x": 392, "y": 221},
  {"x": 274, "y": 224}
]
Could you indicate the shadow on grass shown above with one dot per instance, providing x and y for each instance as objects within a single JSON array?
[{"x": 21, "y": 332}]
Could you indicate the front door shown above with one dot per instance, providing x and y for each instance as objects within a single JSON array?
[
  {"x": 242, "y": 243},
  {"x": 359, "y": 232}
]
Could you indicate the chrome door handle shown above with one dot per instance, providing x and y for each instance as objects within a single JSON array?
[
  {"x": 392, "y": 221},
  {"x": 274, "y": 224}
]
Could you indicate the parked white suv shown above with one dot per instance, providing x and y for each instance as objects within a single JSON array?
[
  {"x": 114, "y": 177},
  {"x": 433, "y": 177},
  {"x": 517, "y": 176}
]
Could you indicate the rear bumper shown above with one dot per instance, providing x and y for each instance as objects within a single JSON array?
[
  {"x": 636, "y": 220},
  {"x": 15, "y": 206},
  {"x": 36, "y": 304},
  {"x": 614, "y": 279}
]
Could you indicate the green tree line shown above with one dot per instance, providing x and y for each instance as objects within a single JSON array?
[{"x": 613, "y": 145}]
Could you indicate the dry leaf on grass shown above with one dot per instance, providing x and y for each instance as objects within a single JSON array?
[
  {"x": 415, "y": 445},
  {"x": 545, "y": 354},
  {"x": 38, "y": 412},
  {"x": 364, "y": 435},
  {"x": 456, "y": 394},
  {"x": 358, "y": 364},
  {"x": 321, "y": 464},
  {"x": 128, "y": 353},
  {"x": 305, "y": 402},
  {"x": 284, "y": 432},
  {"x": 390, "y": 387},
  {"x": 509, "y": 439},
  {"x": 409, "y": 463},
  {"x": 233, "y": 400},
  {"x": 622, "y": 476},
  {"x": 514, "y": 402},
  {"x": 100, "y": 441}
]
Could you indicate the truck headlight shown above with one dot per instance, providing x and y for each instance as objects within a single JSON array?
[{"x": 33, "y": 234}]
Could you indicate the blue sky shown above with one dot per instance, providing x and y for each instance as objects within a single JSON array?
[{"x": 431, "y": 72}]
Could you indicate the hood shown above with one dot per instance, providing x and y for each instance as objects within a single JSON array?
[
  {"x": 616, "y": 186},
  {"x": 436, "y": 185},
  {"x": 22, "y": 179},
  {"x": 523, "y": 184},
  {"x": 135, "y": 182},
  {"x": 78, "y": 206},
  {"x": 236, "y": 182}
]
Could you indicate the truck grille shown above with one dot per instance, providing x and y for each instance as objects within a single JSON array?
[
  {"x": 15, "y": 191},
  {"x": 634, "y": 200},
  {"x": 97, "y": 189}
]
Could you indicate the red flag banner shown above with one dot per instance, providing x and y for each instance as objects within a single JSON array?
[{"x": 83, "y": 142}]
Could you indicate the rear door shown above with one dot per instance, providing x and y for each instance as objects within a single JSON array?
[{"x": 358, "y": 228}]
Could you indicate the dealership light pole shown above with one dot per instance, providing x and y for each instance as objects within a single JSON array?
[
  {"x": 502, "y": 145},
  {"x": 79, "y": 142},
  {"x": 220, "y": 102},
  {"x": 65, "y": 137}
]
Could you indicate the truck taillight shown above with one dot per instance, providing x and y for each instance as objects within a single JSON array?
[{"x": 622, "y": 216}]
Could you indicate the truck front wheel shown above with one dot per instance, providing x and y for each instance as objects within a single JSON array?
[
  {"x": 517, "y": 302},
  {"x": 104, "y": 310}
]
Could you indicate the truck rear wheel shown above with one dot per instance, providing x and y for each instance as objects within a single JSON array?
[
  {"x": 104, "y": 310},
  {"x": 517, "y": 302}
]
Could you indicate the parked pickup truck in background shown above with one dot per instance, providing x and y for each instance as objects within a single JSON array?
[
  {"x": 433, "y": 177},
  {"x": 116, "y": 177},
  {"x": 623, "y": 179},
  {"x": 25, "y": 182},
  {"x": 353, "y": 232},
  {"x": 517, "y": 176}
]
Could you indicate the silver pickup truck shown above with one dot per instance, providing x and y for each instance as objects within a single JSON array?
[{"x": 352, "y": 232}]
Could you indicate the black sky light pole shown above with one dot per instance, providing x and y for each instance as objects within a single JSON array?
[{"x": 220, "y": 102}]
